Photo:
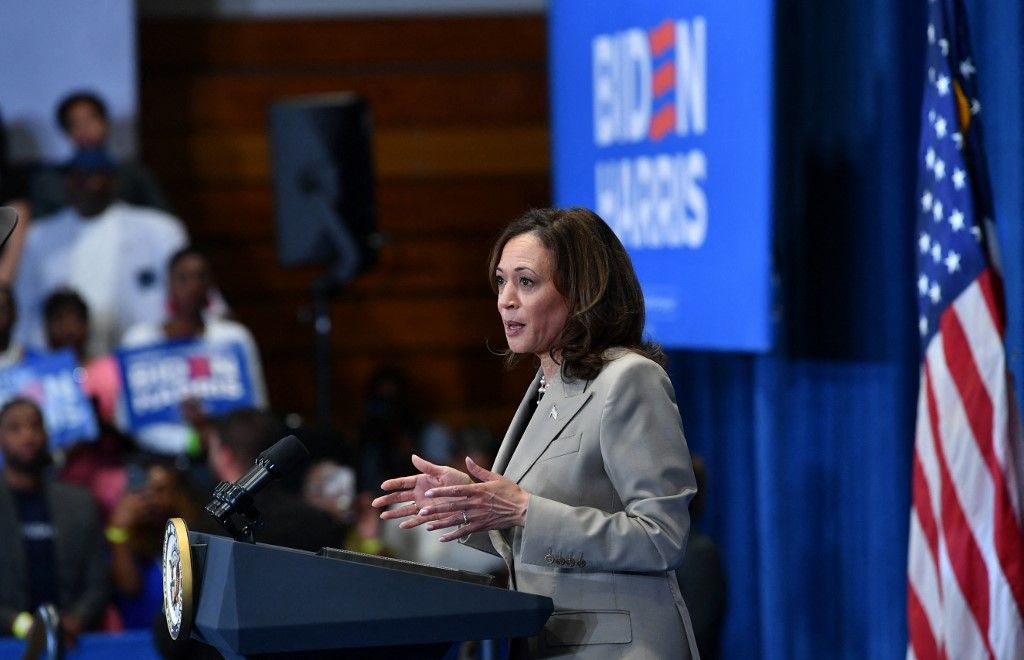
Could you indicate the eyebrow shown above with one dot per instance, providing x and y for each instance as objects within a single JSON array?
[{"x": 517, "y": 269}]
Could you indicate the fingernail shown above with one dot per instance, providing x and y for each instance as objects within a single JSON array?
[
  {"x": 429, "y": 493},
  {"x": 431, "y": 528},
  {"x": 425, "y": 511}
]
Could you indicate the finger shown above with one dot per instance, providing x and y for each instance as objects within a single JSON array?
[
  {"x": 405, "y": 511},
  {"x": 394, "y": 498},
  {"x": 444, "y": 523},
  {"x": 426, "y": 467},
  {"x": 404, "y": 483},
  {"x": 461, "y": 504},
  {"x": 465, "y": 530},
  {"x": 483, "y": 474},
  {"x": 419, "y": 520},
  {"x": 465, "y": 490}
]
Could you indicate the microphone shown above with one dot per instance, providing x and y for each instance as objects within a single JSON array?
[{"x": 237, "y": 498}]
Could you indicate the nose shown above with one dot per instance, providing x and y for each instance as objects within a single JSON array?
[{"x": 507, "y": 298}]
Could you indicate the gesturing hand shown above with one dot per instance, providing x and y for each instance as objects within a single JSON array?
[
  {"x": 493, "y": 503},
  {"x": 413, "y": 489}
]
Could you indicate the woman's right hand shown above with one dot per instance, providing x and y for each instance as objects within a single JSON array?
[{"x": 413, "y": 488}]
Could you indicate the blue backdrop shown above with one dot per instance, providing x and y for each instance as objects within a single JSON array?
[
  {"x": 808, "y": 449},
  {"x": 661, "y": 118}
]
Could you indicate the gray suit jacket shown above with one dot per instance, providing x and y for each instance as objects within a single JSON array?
[
  {"x": 80, "y": 549},
  {"x": 609, "y": 474}
]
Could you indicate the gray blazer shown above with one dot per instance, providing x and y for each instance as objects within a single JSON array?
[
  {"x": 80, "y": 551},
  {"x": 610, "y": 479}
]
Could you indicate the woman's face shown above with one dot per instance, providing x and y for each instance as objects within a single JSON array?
[
  {"x": 190, "y": 284},
  {"x": 532, "y": 310},
  {"x": 85, "y": 126}
]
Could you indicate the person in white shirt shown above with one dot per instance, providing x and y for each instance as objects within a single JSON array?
[
  {"x": 114, "y": 254},
  {"x": 190, "y": 287}
]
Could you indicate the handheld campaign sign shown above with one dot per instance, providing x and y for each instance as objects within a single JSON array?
[
  {"x": 662, "y": 124},
  {"x": 158, "y": 378},
  {"x": 53, "y": 381}
]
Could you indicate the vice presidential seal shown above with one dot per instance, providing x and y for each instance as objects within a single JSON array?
[{"x": 177, "y": 573}]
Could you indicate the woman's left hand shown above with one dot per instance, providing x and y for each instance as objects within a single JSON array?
[{"x": 493, "y": 503}]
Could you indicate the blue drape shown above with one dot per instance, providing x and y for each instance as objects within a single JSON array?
[{"x": 808, "y": 449}]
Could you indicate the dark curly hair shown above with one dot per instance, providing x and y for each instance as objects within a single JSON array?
[
  {"x": 595, "y": 274},
  {"x": 81, "y": 96}
]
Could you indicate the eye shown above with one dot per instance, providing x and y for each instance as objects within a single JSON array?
[
  {"x": 499, "y": 281},
  {"x": 525, "y": 282}
]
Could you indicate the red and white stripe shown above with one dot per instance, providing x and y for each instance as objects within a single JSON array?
[{"x": 965, "y": 572}]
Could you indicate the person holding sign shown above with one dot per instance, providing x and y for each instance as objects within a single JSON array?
[
  {"x": 185, "y": 382},
  {"x": 587, "y": 499}
]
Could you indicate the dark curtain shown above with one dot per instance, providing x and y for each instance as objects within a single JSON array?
[{"x": 808, "y": 448}]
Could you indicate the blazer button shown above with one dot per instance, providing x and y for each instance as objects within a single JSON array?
[
  {"x": 560, "y": 561},
  {"x": 582, "y": 563},
  {"x": 549, "y": 559}
]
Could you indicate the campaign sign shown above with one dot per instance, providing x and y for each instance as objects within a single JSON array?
[
  {"x": 53, "y": 381},
  {"x": 159, "y": 377},
  {"x": 662, "y": 123}
]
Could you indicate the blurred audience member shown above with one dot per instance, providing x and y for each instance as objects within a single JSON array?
[
  {"x": 11, "y": 351},
  {"x": 114, "y": 254},
  {"x": 155, "y": 492},
  {"x": 53, "y": 549},
  {"x": 84, "y": 119},
  {"x": 97, "y": 464},
  {"x": 66, "y": 324},
  {"x": 392, "y": 429},
  {"x": 418, "y": 544},
  {"x": 190, "y": 287},
  {"x": 237, "y": 439},
  {"x": 332, "y": 488},
  {"x": 702, "y": 576}
]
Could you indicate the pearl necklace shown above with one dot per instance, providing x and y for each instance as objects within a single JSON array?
[{"x": 542, "y": 389}]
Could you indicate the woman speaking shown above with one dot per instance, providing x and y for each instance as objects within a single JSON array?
[{"x": 587, "y": 498}]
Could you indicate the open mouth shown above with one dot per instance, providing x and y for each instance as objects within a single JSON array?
[{"x": 513, "y": 327}]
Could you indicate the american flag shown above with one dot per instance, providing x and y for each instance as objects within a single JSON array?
[{"x": 965, "y": 569}]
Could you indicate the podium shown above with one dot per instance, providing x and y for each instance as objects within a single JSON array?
[{"x": 249, "y": 599}]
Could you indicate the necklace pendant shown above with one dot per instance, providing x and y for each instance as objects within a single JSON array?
[{"x": 554, "y": 412}]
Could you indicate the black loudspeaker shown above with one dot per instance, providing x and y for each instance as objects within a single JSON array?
[{"x": 322, "y": 162}]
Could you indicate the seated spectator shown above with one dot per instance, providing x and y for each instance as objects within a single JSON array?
[
  {"x": 332, "y": 488},
  {"x": 155, "y": 493},
  {"x": 701, "y": 576},
  {"x": 393, "y": 429},
  {"x": 66, "y": 319},
  {"x": 53, "y": 549},
  {"x": 114, "y": 254},
  {"x": 11, "y": 351},
  {"x": 83, "y": 118},
  {"x": 190, "y": 286},
  {"x": 97, "y": 464},
  {"x": 237, "y": 439},
  {"x": 419, "y": 544}
]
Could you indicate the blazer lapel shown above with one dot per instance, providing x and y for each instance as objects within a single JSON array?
[
  {"x": 516, "y": 428},
  {"x": 553, "y": 413}
]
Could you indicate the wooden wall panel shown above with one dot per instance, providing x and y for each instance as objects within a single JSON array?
[{"x": 461, "y": 147}]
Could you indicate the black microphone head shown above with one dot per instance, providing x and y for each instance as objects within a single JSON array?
[{"x": 285, "y": 455}]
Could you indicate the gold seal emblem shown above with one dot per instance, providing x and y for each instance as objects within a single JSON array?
[{"x": 177, "y": 579}]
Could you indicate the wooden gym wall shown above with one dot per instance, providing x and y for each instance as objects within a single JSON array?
[{"x": 461, "y": 146}]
